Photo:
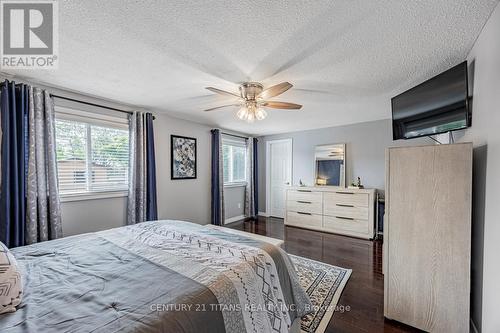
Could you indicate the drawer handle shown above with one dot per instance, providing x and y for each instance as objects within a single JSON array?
[
  {"x": 345, "y": 218},
  {"x": 305, "y": 202},
  {"x": 342, "y": 205},
  {"x": 344, "y": 192},
  {"x": 304, "y": 191},
  {"x": 302, "y": 213}
]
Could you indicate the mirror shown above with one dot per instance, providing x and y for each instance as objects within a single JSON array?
[{"x": 329, "y": 163}]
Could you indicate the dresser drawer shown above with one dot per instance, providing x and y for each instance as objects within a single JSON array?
[
  {"x": 348, "y": 198},
  {"x": 341, "y": 210},
  {"x": 336, "y": 224},
  {"x": 305, "y": 206},
  {"x": 304, "y": 220},
  {"x": 305, "y": 195}
]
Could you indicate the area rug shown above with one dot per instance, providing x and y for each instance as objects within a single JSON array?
[{"x": 324, "y": 284}]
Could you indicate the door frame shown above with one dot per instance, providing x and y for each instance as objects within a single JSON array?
[{"x": 268, "y": 169}]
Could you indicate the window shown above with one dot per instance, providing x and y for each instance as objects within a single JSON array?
[
  {"x": 79, "y": 177},
  {"x": 92, "y": 153},
  {"x": 234, "y": 161}
]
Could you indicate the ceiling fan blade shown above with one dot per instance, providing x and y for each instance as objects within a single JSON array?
[
  {"x": 282, "y": 105},
  {"x": 275, "y": 90},
  {"x": 223, "y": 92},
  {"x": 220, "y": 107}
]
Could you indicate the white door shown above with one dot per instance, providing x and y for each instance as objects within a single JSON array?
[{"x": 279, "y": 169}]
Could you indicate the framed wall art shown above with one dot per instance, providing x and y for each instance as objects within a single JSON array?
[{"x": 183, "y": 157}]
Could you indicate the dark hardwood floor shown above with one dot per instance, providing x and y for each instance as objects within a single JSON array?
[{"x": 364, "y": 293}]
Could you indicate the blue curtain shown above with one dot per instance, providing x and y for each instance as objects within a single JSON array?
[
  {"x": 255, "y": 177},
  {"x": 14, "y": 112},
  {"x": 217, "y": 186},
  {"x": 151, "y": 204}
]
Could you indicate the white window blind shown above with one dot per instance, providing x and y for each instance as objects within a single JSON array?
[
  {"x": 234, "y": 161},
  {"x": 92, "y": 153}
]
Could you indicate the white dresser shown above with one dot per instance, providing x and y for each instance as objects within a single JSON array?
[{"x": 332, "y": 209}]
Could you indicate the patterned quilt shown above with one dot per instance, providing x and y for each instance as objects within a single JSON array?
[{"x": 163, "y": 276}]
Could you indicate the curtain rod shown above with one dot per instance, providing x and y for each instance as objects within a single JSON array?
[
  {"x": 93, "y": 104},
  {"x": 6, "y": 78},
  {"x": 236, "y": 136}
]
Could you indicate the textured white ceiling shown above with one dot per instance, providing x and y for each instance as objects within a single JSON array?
[{"x": 345, "y": 58}]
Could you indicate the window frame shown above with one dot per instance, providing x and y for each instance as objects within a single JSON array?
[
  {"x": 89, "y": 119},
  {"x": 235, "y": 143}
]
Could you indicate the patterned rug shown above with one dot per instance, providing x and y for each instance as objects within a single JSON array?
[{"x": 324, "y": 284}]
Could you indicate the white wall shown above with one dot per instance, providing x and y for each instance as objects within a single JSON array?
[
  {"x": 189, "y": 199},
  {"x": 365, "y": 153},
  {"x": 79, "y": 217},
  {"x": 484, "y": 61},
  {"x": 234, "y": 202}
]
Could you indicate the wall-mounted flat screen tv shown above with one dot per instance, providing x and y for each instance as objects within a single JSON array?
[{"x": 436, "y": 106}]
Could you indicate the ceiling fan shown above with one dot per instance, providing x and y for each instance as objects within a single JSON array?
[{"x": 253, "y": 99}]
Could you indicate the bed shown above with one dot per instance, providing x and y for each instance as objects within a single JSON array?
[{"x": 162, "y": 276}]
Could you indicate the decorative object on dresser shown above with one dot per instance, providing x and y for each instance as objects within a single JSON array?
[
  {"x": 332, "y": 209},
  {"x": 183, "y": 157},
  {"x": 427, "y": 236},
  {"x": 357, "y": 184}
]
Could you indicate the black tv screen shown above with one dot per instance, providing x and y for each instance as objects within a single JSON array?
[{"x": 436, "y": 106}]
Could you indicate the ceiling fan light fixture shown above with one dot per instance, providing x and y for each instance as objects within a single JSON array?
[
  {"x": 260, "y": 114},
  {"x": 253, "y": 98},
  {"x": 242, "y": 113},
  {"x": 250, "y": 114},
  {"x": 250, "y": 117}
]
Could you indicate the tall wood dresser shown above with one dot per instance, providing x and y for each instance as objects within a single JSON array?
[
  {"x": 427, "y": 236},
  {"x": 332, "y": 209}
]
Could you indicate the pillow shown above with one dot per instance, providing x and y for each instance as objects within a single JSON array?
[{"x": 11, "y": 286}]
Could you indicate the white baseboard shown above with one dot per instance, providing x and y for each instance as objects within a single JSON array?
[
  {"x": 234, "y": 219},
  {"x": 263, "y": 214}
]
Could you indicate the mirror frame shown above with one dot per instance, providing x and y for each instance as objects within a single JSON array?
[{"x": 343, "y": 172}]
